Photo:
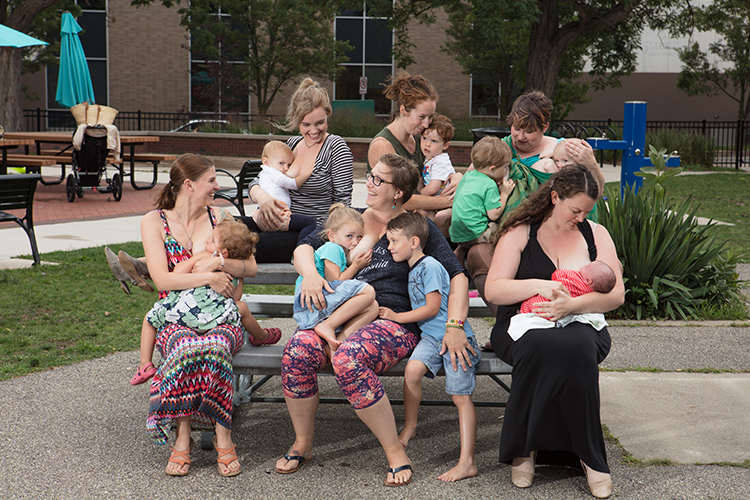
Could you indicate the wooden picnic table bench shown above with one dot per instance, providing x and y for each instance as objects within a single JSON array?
[{"x": 265, "y": 361}]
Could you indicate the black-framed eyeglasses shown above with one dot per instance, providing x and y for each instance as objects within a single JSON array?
[{"x": 376, "y": 181}]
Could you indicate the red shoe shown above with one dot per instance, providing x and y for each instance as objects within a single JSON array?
[
  {"x": 143, "y": 374},
  {"x": 274, "y": 335}
]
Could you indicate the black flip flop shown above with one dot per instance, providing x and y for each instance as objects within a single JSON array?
[
  {"x": 396, "y": 471},
  {"x": 300, "y": 460}
]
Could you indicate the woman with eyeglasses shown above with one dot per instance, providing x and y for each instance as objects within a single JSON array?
[
  {"x": 380, "y": 345},
  {"x": 415, "y": 100}
]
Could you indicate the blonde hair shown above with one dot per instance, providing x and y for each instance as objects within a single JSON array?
[
  {"x": 489, "y": 151},
  {"x": 308, "y": 96},
  {"x": 339, "y": 214},
  {"x": 275, "y": 147},
  {"x": 236, "y": 239},
  {"x": 189, "y": 166}
]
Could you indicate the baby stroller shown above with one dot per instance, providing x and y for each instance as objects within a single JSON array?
[{"x": 89, "y": 163}]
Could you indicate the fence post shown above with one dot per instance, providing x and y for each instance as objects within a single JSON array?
[
  {"x": 738, "y": 147},
  {"x": 38, "y": 119},
  {"x": 139, "y": 120}
]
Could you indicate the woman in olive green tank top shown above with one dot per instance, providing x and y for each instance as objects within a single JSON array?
[{"x": 415, "y": 100}]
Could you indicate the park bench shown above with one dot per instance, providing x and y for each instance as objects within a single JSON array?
[
  {"x": 237, "y": 194},
  {"x": 152, "y": 158},
  {"x": 17, "y": 193},
  {"x": 265, "y": 361}
]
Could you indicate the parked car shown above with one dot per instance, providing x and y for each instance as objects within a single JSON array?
[{"x": 203, "y": 126}]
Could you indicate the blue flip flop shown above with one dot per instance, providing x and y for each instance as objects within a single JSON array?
[
  {"x": 300, "y": 460},
  {"x": 396, "y": 471}
]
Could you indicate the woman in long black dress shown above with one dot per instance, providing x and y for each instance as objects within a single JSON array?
[{"x": 553, "y": 410}]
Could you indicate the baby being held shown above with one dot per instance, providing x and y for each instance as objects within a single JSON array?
[
  {"x": 596, "y": 276},
  {"x": 437, "y": 168}
]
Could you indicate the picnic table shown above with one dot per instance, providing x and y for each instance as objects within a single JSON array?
[{"x": 7, "y": 143}]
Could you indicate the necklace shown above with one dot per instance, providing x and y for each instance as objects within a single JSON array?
[{"x": 190, "y": 236}]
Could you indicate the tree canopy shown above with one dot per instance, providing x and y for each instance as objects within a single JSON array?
[{"x": 700, "y": 76}]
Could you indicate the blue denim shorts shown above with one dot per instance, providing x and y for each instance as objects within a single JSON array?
[
  {"x": 342, "y": 291},
  {"x": 457, "y": 383}
]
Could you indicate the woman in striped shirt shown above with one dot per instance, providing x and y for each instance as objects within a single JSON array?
[{"x": 331, "y": 180}]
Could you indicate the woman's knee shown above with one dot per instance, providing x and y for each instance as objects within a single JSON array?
[{"x": 478, "y": 259}]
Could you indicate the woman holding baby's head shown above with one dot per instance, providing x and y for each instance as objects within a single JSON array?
[
  {"x": 182, "y": 225},
  {"x": 552, "y": 415}
]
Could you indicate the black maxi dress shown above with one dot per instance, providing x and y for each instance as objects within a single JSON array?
[{"x": 554, "y": 402}]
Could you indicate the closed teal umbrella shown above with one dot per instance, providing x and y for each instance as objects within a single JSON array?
[{"x": 74, "y": 80}]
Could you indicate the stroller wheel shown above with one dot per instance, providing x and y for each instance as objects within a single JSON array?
[
  {"x": 79, "y": 190},
  {"x": 117, "y": 187},
  {"x": 70, "y": 188}
]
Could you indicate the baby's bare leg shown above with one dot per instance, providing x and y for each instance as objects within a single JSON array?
[
  {"x": 250, "y": 323},
  {"x": 353, "y": 307},
  {"x": 443, "y": 221},
  {"x": 467, "y": 422},
  {"x": 148, "y": 340}
]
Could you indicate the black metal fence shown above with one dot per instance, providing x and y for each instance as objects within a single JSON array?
[
  {"x": 730, "y": 140},
  {"x": 40, "y": 120}
]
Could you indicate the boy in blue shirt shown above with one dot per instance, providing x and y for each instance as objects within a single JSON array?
[{"x": 429, "y": 286}]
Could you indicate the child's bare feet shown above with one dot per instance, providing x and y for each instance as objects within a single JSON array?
[
  {"x": 407, "y": 434},
  {"x": 329, "y": 335},
  {"x": 459, "y": 472}
]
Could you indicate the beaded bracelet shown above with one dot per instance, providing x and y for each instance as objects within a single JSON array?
[
  {"x": 454, "y": 323},
  {"x": 221, "y": 266}
]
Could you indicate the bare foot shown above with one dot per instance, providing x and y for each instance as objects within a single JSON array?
[
  {"x": 459, "y": 472},
  {"x": 329, "y": 335},
  {"x": 407, "y": 434}
]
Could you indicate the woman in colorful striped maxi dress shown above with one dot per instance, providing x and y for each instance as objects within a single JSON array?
[{"x": 193, "y": 387}]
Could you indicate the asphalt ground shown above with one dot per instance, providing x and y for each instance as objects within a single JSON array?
[{"x": 79, "y": 431}]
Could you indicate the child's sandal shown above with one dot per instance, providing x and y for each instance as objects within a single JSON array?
[
  {"x": 225, "y": 457},
  {"x": 274, "y": 335},
  {"x": 143, "y": 374}
]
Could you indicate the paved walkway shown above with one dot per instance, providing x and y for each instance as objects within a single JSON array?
[{"x": 77, "y": 431}]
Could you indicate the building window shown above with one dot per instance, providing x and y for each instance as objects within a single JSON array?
[
  {"x": 93, "y": 21},
  {"x": 372, "y": 44},
  {"x": 217, "y": 85},
  {"x": 483, "y": 102}
]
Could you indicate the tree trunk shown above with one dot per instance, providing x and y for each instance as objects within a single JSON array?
[{"x": 10, "y": 89}]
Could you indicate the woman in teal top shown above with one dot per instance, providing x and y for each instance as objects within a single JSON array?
[
  {"x": 415, "y": 100},
  {"x": 529, "y": 120}
]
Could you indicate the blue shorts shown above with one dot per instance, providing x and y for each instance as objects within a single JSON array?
[
  {"x": 342, "y": 291},
  {"x": 457, "y": 383}
]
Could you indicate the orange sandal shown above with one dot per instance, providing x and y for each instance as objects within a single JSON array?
[
  {"x": 181, "y": 458},
  {"x": 230, "y": 456}
]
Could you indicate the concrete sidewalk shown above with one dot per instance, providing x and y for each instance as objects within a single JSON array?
[{"x": 78, "y": 431}]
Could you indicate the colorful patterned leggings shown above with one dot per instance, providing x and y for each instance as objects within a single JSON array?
[
  {"x": 195, "y": 379},
  {"x": 357, "y": 363}
]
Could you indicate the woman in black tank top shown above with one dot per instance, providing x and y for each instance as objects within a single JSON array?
[{"x": 553, "y": 411}]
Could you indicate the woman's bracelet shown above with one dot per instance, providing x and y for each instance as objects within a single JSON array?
[
  {"x": 243, "y": 268},
  {"x": 221, "y": 266},
  {"x": 455, "y": 323}
]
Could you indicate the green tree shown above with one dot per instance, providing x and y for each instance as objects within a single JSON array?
[
  {"x": 557, "y": 33},
  {"x": 266, "y": 43},
  {"x": 699, "y": 76},
  {"x": 40, "y": 19}
]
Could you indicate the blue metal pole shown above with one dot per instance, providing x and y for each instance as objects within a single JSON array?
[{"x": 634, "y": 134}]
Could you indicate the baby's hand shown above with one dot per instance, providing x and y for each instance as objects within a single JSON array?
[
  {"x": 506, "y": 187},
  {"x": 387, "y": 313}
]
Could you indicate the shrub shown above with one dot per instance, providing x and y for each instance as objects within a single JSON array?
[
  {"x": 347, "y": 124},
  {"x": 695, "y": 150},
  {"x": 672, "y": 266}
]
